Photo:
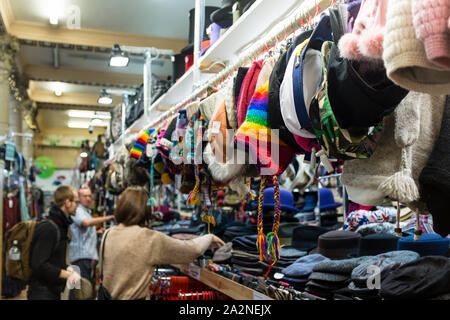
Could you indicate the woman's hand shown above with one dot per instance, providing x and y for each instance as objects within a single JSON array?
[{"x": 216, "y": 241}]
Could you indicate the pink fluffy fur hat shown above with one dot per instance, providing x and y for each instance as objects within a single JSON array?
[{"x": 365, "y": 42}]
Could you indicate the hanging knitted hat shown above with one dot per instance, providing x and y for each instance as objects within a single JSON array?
[
  {"x": 430, "y": 19},
  {"x": 220, "y": 153},
  {"x": 404, "y": 55},
  {"x": 140, "y": 144},
  {"x": 255, "y": 134},
  {"x": 247, "y": 90},
  {"x": 366, "y": 39},
  {"x": 165, "y": 143},
  {"x": 387, "y": 173}
]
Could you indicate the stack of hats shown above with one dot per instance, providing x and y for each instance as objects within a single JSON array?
[
  {"x": 237, "y": 229},
  {"x": 288, "y": 256},
  {"x": 423, "y": 278},
  {"x": 330, "y": 276},
  {"x": 245, "y": 257},
  {"x": 377, "y": 243},
  {"x": 339, "y": 244},
  {"x": 328, "y": 205},
  {"x": 426, "y": 245},
  {"x": 297, "y": 273},
  {"x": 286, "y": 231},
  {"x": 363, "y": 274},
  {"x": 306, "y": 237}
]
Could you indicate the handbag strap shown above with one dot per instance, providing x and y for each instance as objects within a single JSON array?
[{"x": 103, "y": 256}]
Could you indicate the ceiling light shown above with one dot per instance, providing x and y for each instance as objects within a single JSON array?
[
  {"x": 78, "y": 125},
  {"x": 83, "y": 154},
  {"x": 58, "y": 92},
  {"x": 96, "y": 122},
  {"x": 118, "y": 57},
  {"x": 104, "y": 98},
  {"x": 89, "y": 114}
]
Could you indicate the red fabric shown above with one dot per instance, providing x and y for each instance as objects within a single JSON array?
[
  {"x": 188, "y": 62},
  {"x": 247, "y": 90},
  {"x": 12, "y": 215}
]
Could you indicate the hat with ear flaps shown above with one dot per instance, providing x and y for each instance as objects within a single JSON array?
[
  {"x": 264, "y": 148},
  {"x": 393, "y": 170}
]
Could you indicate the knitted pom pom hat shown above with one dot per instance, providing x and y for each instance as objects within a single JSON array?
[
  {"x": 140, "y": 144},
  {"x": 366, "y": 39},
  {"x": 255, "y": 133}
]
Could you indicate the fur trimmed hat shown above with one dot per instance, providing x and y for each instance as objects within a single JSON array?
[
  {"x": 404, "y": 55},
  {"x": 366, "y": 39}
]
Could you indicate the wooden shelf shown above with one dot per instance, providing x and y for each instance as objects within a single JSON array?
[{"x": 226, "y": 286}]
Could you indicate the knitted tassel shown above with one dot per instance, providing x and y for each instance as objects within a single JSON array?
[
  {"x": 207, "y": 216},
  {"x": 401, "y": 186},
  {"x": 272, "y": 238},
  {"x": 193, "y": 198},
  {"x": 261, "y": 242}
]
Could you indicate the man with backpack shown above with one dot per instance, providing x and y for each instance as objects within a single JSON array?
[{"x": 48, "y": 250}]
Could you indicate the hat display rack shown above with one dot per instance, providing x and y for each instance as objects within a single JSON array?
[{"x": 303, "y": 18}]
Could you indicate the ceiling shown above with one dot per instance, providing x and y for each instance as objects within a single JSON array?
[{"x": 76, "y": 60}]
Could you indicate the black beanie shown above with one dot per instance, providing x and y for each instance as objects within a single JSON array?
[{"x": 435, "y": 177}]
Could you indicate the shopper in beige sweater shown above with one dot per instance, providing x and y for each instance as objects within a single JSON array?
[{"x": 133, "y": 250}]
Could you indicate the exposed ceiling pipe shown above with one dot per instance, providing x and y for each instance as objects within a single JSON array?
[{"x": 56, "y": 57}]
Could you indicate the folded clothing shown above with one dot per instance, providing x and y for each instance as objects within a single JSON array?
[{"x": 423, "y": 278}]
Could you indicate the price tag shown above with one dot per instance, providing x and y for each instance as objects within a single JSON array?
[
  {"x": 215, "y": 127},
  {"x": 194, "y": 271},
  {"x": 11, "y": 204},
  {"x": 259, "y": 296}
]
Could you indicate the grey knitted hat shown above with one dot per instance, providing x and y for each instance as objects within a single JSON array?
[{"x": 402, "y": 152}]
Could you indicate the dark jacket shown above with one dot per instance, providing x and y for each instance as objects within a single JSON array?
[{"x": 48, "y": 257}]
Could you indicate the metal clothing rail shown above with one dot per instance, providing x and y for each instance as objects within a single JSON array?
[{"x": 308, "y": 9}]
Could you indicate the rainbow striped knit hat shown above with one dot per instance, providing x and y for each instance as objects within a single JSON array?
[
  {"x": 140, "y": 144},
  {"x": 255, "y": 134}
]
